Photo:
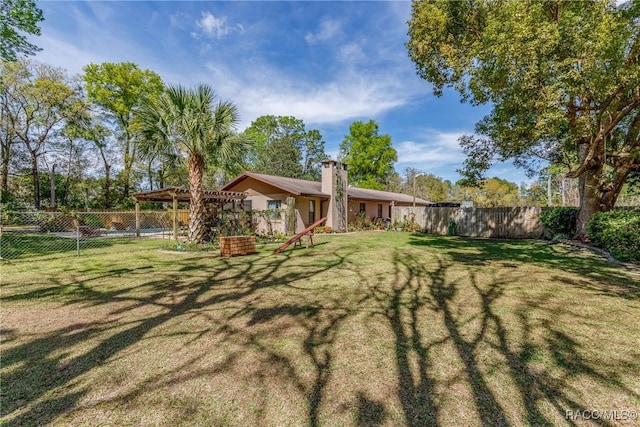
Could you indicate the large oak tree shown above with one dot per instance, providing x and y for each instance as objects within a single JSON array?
[
  {"x": 563, "y": 78},
  {"x": 284, "y": 147}
]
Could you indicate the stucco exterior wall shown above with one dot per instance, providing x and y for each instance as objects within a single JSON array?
[
  {"x": 302, "y": 208},
  {"x": 371, "y": 209},
  {"x": 260, "y": 194}
]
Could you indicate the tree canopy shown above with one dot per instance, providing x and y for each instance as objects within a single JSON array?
[
  {"x": 120, "y": 89},
  {"x": 427, "y": 186},
  {"x": 370, "y": 156},
  {"x": 17, "y": 18},
  {"x": 563, "y": 79},
  {"x": 36, "y": 100},
  {"x": 284, "y": 147}
]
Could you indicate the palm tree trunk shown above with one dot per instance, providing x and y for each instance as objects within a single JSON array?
[
  {"x": 196, "y": 207},
  {"x": 150, "y": 174}
]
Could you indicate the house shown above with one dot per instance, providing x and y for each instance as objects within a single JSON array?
[{"x": 330, "y": 197}]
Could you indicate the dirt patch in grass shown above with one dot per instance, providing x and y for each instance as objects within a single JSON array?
[{"x": 366, "y": 329}]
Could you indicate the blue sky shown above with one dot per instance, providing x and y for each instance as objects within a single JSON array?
[{"x": 327, "y": 63}]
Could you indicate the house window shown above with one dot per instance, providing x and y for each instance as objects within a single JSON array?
[
  {"x": 379, "y": 210},
  {"x": 312, "y": 211},
  {"x": 363, "y": 208},
  {"x": 274, "y": 205}
]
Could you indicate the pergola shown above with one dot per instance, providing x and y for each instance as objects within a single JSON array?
[{"x": 181, "y": 195}]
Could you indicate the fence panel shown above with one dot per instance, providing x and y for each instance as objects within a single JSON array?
[
  {"x": 501, "y": 222},
  {"x": 30, "y": 234}
]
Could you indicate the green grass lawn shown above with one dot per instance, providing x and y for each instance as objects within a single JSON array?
[{"x": 368, "y": 329}]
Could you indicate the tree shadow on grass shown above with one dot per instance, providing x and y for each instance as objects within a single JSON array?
[
  {"x": 535, "y": 387},
  {"x": 321, "y": 323},
  {"x": 78, "y": 290},
  {"x": 42, "y": 376},
  {"x": 604, "y": 277},
  {"x": 39, "y": 368},
  {"x": 370, "y": 413},
  {"x": 400, "y": 305}
]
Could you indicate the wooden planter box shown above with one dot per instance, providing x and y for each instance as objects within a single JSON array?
[{"x": 237, "y": 245}]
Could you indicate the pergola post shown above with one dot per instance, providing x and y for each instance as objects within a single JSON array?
[
  {"x": 175, "y": 216},
  {"x": 391, "y": 217},
  {"x": 137, "y": 218},
  {"x": 217, "y": 199}
]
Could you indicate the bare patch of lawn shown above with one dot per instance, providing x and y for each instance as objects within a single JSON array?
[{"x": 363, "y": 329}]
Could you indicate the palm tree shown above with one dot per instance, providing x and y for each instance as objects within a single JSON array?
[{"x": 189, "y": 123}]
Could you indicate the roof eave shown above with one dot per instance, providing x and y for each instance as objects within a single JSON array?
[{"x": 257, "y": 178}]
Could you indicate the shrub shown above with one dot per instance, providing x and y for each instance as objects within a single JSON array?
[
  {"x": 452, "y": 229},
  {"x": 92, "y": 220},
  {"x": 406, "y": 225},
  {"x": 618, "y": 232},
  {"x": 559, "y": 220},
  {"x": 361, "y": 222},
  {"x": 10, "y": 210},
  {"x": 53, "y": 222}
]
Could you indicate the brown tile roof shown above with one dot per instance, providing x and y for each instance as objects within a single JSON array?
[{"x": 302, "y": 187}]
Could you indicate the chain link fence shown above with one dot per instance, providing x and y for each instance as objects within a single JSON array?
[
  {"x": 31, "y": 234},
  {"x": 25, "y": 234}
]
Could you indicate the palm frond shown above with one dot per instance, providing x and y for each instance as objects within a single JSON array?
[
  {"x": 155, "y": 131},
  {"x": 190, "y": 122}
]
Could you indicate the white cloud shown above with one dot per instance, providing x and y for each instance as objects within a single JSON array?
[
  {"x": 259, "y": 90},
  {"x": 440, "y": 153},
  {"x": 333, "y": 153},
  {"x": 216, "y": 27},
  {"x": 433, "y": 150},
  {"x": 328, "y": 29},
  {"x": 179, "y": 20},
  {"x": 350, "y": 54},
  {"x": 54, "y": 49}
]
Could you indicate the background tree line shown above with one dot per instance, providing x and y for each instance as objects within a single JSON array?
[
  {"x": 563, "y": 79},
  {"x": 89, "y": 135},
  {"x": 85, "y": 132}
]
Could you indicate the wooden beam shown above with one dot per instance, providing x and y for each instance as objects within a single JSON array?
[
  {"x": 137, "y": 218},
  {"x": 175, "y": 217},
  {"x": 298, "y": 236}
]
